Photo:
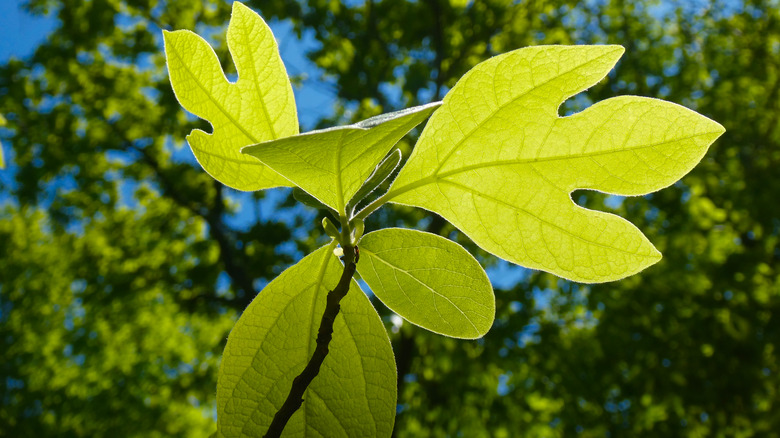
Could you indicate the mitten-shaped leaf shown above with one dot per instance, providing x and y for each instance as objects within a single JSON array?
[
  {"x": 498, "y": 162},
  {"x": 428, "y": 280},
  {"x": 355, "y": 392},
  {"x": 259, "y": 106},
  {"x": 333, "y": 163}
]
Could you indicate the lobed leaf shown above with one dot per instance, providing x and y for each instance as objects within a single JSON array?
[
  {"x": 429, "y": 281},
  {"x": 498, "y": 162},
  {"x": 355, "y": 391},
  {"x": 332, "y": 164},
  {"x": 258, "y": 107}
]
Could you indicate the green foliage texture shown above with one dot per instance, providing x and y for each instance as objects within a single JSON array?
[{"x": 123, "y": 266}]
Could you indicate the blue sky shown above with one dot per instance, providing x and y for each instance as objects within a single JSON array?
[{"x": 20, "y": 32}]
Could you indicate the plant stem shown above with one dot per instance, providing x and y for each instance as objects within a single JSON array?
[{"x": 324, "y": 336}]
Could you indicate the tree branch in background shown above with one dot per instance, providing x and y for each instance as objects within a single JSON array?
[
  {"x": 438, "y": 41},
  {"x": 213, "y": 217}
]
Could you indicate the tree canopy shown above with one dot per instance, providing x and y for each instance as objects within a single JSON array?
[{"x": 123, "y": 266}]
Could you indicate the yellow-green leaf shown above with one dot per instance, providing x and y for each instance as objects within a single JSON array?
[
  {"x": 429, "y": 281},
  {"x": 498, "y": 162},
  {"x": 258, "y": 107},
  {"x": 355, "y": 392},
  {"x": 333, "y": 163}
]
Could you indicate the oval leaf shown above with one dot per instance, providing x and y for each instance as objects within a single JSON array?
[
  {"x": 259, "y": 106},
  {"x": 332, "y": 164},
  {"x": 355, "y": 391},
  {"x": 499, "y": 163},
  {"x": 428, "y": 280}
]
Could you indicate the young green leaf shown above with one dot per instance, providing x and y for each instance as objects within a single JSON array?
[
  {"x": 355, "y": 392},
  {"x": 380, "y": 174},
  {"x": 330, "y": 229},
  {"x": 358, "y": 228},
  {"x": 332, "y": 164},
  {"x": 428, "y": 280},
  {"x": 498, "y": 162},
  {"x": 259, "y": 106}
]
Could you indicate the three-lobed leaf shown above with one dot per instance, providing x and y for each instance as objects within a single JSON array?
[
  {"x": 259, "y": 106},
  {"x": 355, "y": 392},
  {"x": 498, "y": 162},
  {"x": 428, "y": 280},
  {"x": 332, "y": 164}
]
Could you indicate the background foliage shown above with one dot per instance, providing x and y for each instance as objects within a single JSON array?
[{"x": 123, "y": 265}]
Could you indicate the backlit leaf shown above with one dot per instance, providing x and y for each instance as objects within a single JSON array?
[
  {"x": 259, "y": 106},
  {"x": 498, "y": 162},
  {"x": 332, "y": 164},
  {"x": 381, "y": 172},
  {"x": 355, "y": 391},
  {"x": 429, "y": 280}
]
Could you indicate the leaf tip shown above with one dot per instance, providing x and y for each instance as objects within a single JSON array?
[
  {"x": 240, "y": 8},
  {"x": 655, "y": 256},
  {"x": 171, "y": 38},
  {"x": 614, "y": 52},
  {"x": 241, "y": 11},
  {"x": 719, "y": 129},
  {"x": 167, "y": 35},
  {"x": 248, "y": 150}
]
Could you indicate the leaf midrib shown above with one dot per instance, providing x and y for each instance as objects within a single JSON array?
[
  {"x": 260, "y": 95},
  {"x": 317, "y": 284},
  {"x": 511, "y": 101},
  {"x": 427, "y": 287},
  {"x": 499, "y": 163}
]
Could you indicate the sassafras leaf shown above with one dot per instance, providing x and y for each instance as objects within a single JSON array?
[
  {"x": 355, "y": 392},
  {"x": 429, "y": 281},
  {"x": 332, "y": 164},
  {"x": 498, "y": 162},
  {"x": 259, "y": 106}
]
